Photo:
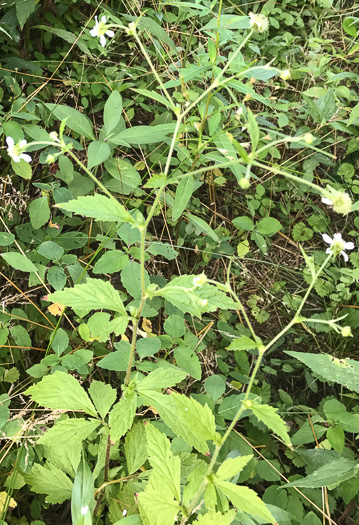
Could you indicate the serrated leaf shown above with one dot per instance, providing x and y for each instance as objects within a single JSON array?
[
  {"x": 98, "y": 207},
  {"x": 61, "y": 390},
  {"x": 155, "y": 503},
  {"x": 24, "y": 9},
  {"x": 161, "y": 458},
  {"x": 122, "y": 415},
  {"x": 245, "y": 499},
  {"x": 70, "y": 432},
  {"x": 215, "y": 518},
  {"x": 183, "y": 194},
  {"x": 161, "y": 378},
  {"x": 103, "y": 397},
  {"x": 135, "y": 447},
  {"x": 268, "y": 415},
  {"x": 242, "y": 343},
  {"x": 51, "y": 481},
  {"x": 185, "y": 416},
  {"x": 95, "y": 294},
  {"x": 19, "y": 262},
  {"x": 232, "y": 466},
  {"x": 333, "y": 473}
]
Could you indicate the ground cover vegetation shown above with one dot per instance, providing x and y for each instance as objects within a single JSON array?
[{"x": 179, "y": 262}]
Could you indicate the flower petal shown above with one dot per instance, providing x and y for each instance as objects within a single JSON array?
[
  {"x": 15, "y": 158},
  {"x": 93, "y": 31},
  {"x": 110, "y": 33},
  {"x": 96, "y": 20},
  {"x": 25, "y": 157},
  {"x": 327, "y": 239},
  {"x": 325, "y": 200},
  {"x": 338, "y": 237},
  {"x": 22, "y": 143},
  {"x": 102, "y": 40},
  {"x": 10, "y": 142},
  {"x": 329, "y": 250},
  {"x": 345, "y": 255},
  {"x": 103, "y": 19},
  {"x": 349, "y": 246}
]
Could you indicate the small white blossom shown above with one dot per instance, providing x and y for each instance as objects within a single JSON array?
[
  {"x": 124, "y": 512},
  {"x": 84, "y": 510},
  {"x": 259, "y": 23},
  {"x": 339, "y": 200},
  {"x": 285, "y": 74},
  {"x": 101, "y": 29},
  {"x": 200, "y": 280},
  {"x": 338, "y": 245},
  {"x": 346, "y": 331},
  {"x": 15, "y": 151}
]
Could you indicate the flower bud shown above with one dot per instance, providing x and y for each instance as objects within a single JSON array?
[
  {"x": 54, "y": 135},
  {"x": 244, "y": 183},
  {"x": 346, "y": 331},
  {"x": 309, "y": 138},
  {"x": 50, "y": 159},
  {"x": 285, "y": 74},
  {"x": 200, "y": 280}
]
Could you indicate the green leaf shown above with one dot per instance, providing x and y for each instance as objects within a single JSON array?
[
  {"x": 98, "y": 151},
  {"x": 111, "y": 262},
  {"x": 103, "y": 397},
  {"x": 39, "y": 212},
  {"x": 336, "y": 413},
  {"x": 253, "y": 129},
  {"x": 122, "y": 415},
  {"x": 243, "y": 223},
  {"x": 123, "y": 171},
  {"x": 157, "y": 31},
  {"x": 22, "y": 168},
  {"x": 75, "y": 120},
  {"x": 82, "y": 498},
  {"x": 354, "y": 114},
  {"x": 202, "y": 226},
  {"x": 6, "y": 238},
  {"x": 95, "y": 294},
  {"x": 185, "y": 416},
  {"x": 215, "y": 518},
  {"x": 188, "y": 360},
  {"x": 141, "y": 135},
  {"x": 131, "y": 279},
  {"x": 155, "y": 503},
  {"x": 242, "y": 343},
  {"x": 331, "y": 474},
  {"x": 148, "y": 346},
  {"x": 215, "y": 386},
  {"x": 166, "y": 250},
  {"x": 154, "y": 96},
  {"x": 61, "y": 390},
  {"x": 161, "y": 458},
  {"x": 349, "y": 25},
  {"x": 174, "y": 326},
  {"x": 19, "y": 262},
  {"x": 232, "y": 466},
  {"x": 51, "y": 250},
  {"x": 24, "y": 9},
  {"x": 112, "y": 113},
  {"x": 336, "y": 438},
  {"x": 60, "y": 342},
  {"x": 70, "y": 432},
  {"x": 56, "y": 276},
  {"x": 245, "y": 500},
  {"x": 135, "y": 448},
  {"x": 51, "y": 481},
  {"x": 117, "y": 361},
  {"x": 268, "y": 226},
  {"x": 268, "y": 415},
  {"x": 161, "y": 378},
  {"x": 98, "y": 207},
  {"x": 183, "y": 194},
  {"x": 329, "y": 368}
]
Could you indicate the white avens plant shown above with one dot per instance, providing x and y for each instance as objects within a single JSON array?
[
  {"x": 337, "y": 245},
  {"x": 15, "y": 151},
  {"x": 101, "y": 29}
]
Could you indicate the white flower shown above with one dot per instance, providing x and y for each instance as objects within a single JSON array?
[
  {"x": 259, "y": 23},
  {"x": 338, "y": 245},
  {"x": 101, "y": 29},
  {"x": 15, "y": 151},
  {"x": 285, "y": 74},
  {"x": 84, "y": 510},
  {"x": 199, "y": 280},
  {"x": 340, "y": 201}
]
